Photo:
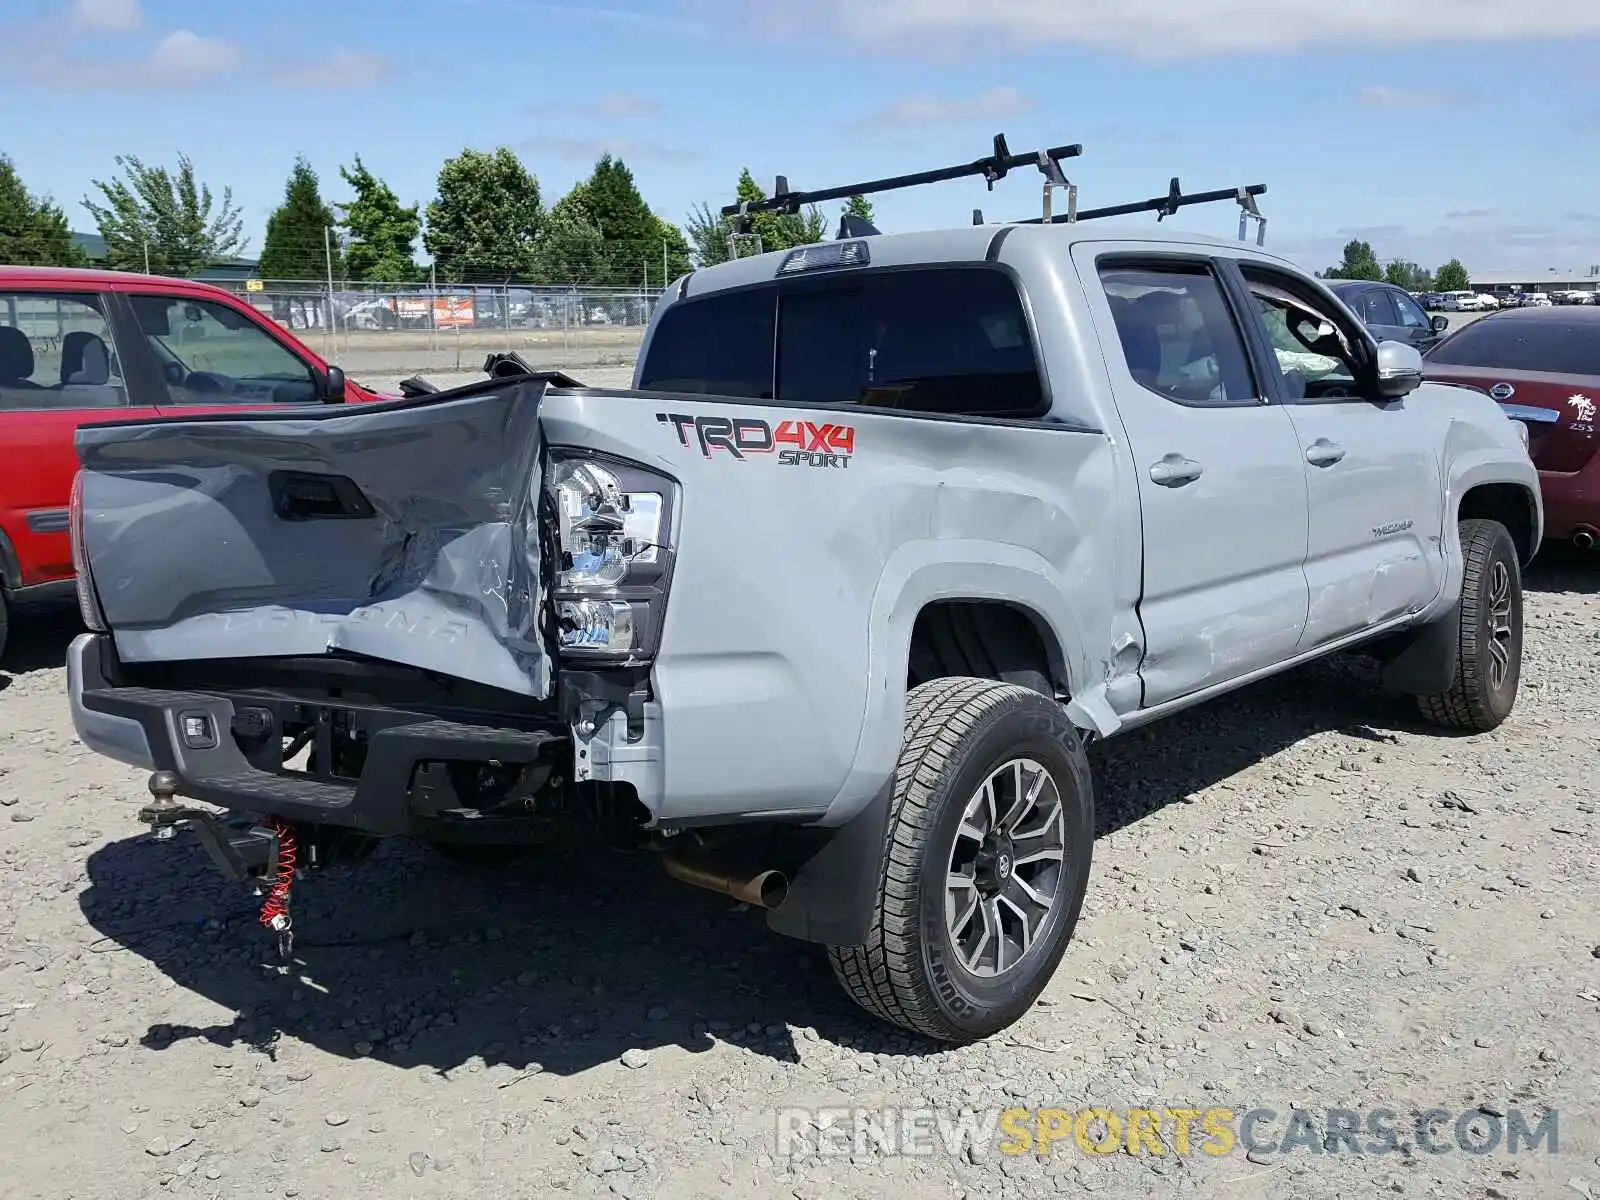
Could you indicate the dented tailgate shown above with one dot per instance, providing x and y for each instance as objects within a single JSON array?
[{"x": 406, "y": 532}]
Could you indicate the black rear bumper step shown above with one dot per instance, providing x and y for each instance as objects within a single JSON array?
[{"x": 223, "y": 769}]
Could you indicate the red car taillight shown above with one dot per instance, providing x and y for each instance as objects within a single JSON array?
[{"x": 88, "y": 603}]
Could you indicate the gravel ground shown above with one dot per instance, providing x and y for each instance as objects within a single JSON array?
[{"x": 1301, "y": 899}]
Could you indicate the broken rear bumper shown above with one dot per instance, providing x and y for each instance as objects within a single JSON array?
[{"x": 192, "y": 735}]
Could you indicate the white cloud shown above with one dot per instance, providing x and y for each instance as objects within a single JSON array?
[
  {"x": 1166, "y": 29},
  {"x": 341, "y": 69},
  {"x": 179, "y": 61},
  {"x": 106, "y": 16},
  {"x": 1383, "y": 96},
  {"x": 184, "y": 57},
  {"x": 994, "y": 104},
  {"x": 589, "y": 149},
  {"x": 627, "y": 17},
  {"x": 618, "y": 106}
]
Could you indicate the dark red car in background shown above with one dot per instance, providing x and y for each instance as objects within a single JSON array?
[
  {"x": 80, "y": 346},
  {"x": 1543, "y": 367}
]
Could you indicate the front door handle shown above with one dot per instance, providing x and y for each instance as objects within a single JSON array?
[
  {"x": 1323, "y": 453},
  {"x": 1174, "y": 471}
]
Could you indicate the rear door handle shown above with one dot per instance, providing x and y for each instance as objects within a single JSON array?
[
  {"x": 1323, "y": 453},
  {"x": 1175, "y": 470}
]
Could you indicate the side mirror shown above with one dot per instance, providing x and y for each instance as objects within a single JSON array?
[
  {"x": 333, "y": 386},
  {"x": 1440, "y": 322},
  {"x": 1399, "y": 370}
]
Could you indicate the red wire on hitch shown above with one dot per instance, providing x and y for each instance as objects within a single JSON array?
[{"x": 275, "y": 908}]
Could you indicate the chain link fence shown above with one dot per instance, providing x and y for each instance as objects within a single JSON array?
[{"x": 378, "y": 330}]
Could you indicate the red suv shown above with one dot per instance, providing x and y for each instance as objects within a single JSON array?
[{"x": 82, "y": 346}]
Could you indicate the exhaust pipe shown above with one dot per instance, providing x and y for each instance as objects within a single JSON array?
[
  {"x": 767, "y": 889},
  {"x": 1584, "y": 539}
]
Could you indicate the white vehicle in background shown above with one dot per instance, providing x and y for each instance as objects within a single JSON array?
[
  {"x": 1487, "y": 302},
  {"x": 1458, "y": 302},
  {"x": 1575, "y": 296},
  {"x": 1534, "y": 300}
]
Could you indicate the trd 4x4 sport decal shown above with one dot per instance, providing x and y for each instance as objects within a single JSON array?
[{"x": 796, "y": 443}]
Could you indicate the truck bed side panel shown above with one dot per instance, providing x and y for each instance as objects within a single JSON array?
[{"x": 800, "y": 573}]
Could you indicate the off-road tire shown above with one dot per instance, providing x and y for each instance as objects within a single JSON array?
[
  {"x": 1473, "y": 701},
  {"x": 482, "y": 856},
  {"x": 957, "y": 731}
]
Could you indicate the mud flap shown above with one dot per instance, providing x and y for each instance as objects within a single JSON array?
[
  {"x": 1423, "y": 662},
  {"x": 833, "y": 893}
]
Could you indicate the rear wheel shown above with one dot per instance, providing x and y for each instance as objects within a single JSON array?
[
  {"x": 1490, "y": 647},
  {"x": 986, "y": 862},
  {"x": 5, "y": 617}
]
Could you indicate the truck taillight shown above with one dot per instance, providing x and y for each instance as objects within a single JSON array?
[
  {"x": 88, "y": 603},
  {"x": 613, "y": 527}
]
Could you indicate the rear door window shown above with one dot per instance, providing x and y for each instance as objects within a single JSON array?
[
  {"x": 952, "y": 341},
  {"x": 1179, "y": 339},
  {"x": 56, "y": 351}
]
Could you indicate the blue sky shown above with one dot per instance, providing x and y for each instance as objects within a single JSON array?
[{"x": 1476, "y": 133}]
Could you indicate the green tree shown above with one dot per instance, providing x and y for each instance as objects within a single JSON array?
[
  {"x": 381, "y": 233},
  {"x": 859, "y": 206},
  {"x": 571, "y": 249},
  {"x": 780, "y": 231},
  {"x": 1452, "y": 277},
  {"x": 677, "y": 257},
  {"x": 1408, "y": 275},
  {"x": 806, "y": 228},
  {"x": 164, "y": 219},
  {"x": 1359, "y": 263},
  {"x": 708, "y": 235},
  {"x": 484, "y": 222},
  {"x": 298, "y": 231},
  {"x": 631, "y": 231},
  {"x": 33, "y": 230}
]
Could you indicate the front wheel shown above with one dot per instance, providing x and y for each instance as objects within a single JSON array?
[
  {"x": 1490, "y": 646},
  {"x": 986, "y": 861}
]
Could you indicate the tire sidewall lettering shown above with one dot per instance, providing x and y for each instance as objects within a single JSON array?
[{"x": 1004, "y": 732}]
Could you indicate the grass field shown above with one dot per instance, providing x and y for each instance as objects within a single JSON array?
[{"x": 379, "y": 353}]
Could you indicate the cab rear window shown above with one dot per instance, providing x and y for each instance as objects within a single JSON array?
[{"x": 953, "y": 341}]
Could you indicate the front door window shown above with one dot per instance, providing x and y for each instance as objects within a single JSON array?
[{"x": 210, "y": 353}]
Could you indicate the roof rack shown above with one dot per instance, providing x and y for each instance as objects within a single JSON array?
[
  {"x": 1168, "y": 205},
  {"x": 993, "y": 168}
]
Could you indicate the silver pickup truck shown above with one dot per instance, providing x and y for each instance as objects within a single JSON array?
[{"x": 824, "y": 610}]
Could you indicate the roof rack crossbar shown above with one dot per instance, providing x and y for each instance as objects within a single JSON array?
[
  {"x": 1164, "y": 206},
  {"x": 993, "y": 167}
]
